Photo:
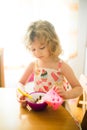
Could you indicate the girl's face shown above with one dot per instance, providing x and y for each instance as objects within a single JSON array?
[{"x": 39, "y": 51}]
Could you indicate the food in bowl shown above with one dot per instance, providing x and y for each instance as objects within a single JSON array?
[{"x": 38, "y": 104}]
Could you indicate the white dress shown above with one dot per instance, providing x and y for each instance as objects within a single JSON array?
[{"x": 46, "y": 78}]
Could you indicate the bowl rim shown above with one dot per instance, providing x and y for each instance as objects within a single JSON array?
[
  {"x": 37, "y": 92},
  {"x": 34, "y": 102}
]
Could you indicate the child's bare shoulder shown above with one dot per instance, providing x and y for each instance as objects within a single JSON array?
[
  {"x": 32, "y": 63},
  {"x": 65, "y": 67},
  {"x": 31, "y": 66}
]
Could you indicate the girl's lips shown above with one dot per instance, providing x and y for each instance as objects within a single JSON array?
[{"x": 40, "y": 57}]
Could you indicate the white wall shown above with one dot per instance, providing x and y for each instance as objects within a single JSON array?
[
  {"x": 79, "y": 64},
  {"x": 82, "y": 59}
]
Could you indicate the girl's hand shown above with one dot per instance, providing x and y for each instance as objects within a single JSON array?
[
  {"x": 20, "y": 97},
  {"x": 60, "y": 91}
]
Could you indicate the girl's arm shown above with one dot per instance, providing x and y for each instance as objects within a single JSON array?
[
  {"x": 22, "y": 82},
  {"x": 29, "y": 70},
  {"x": 71, "y": 78}
]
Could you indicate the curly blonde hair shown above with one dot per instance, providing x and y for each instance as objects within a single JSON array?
[{"x": 46, "y": 34}]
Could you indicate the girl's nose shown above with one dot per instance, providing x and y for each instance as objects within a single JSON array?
[{"x": 37, "y": 53}]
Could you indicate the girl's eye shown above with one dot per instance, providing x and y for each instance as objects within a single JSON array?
[
  {"x": 33, "y": 49},
  {"x": 42, "y": 47}
]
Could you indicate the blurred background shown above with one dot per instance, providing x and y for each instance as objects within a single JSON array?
[{"x": 69, "y": 19}]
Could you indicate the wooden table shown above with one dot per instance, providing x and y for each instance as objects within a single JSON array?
[{"x": 14, "y": 117}]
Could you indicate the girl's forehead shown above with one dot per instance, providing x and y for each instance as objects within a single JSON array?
[{"x": 36, "y": 42}]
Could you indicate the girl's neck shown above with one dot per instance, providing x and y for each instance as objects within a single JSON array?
[{"x": 47, "y": 62}]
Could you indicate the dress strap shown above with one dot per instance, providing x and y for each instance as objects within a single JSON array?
[
  {"x": 36, "y": 65},
  {"x": 59, "y": 64}
]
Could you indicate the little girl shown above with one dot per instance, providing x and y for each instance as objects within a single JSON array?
[{"x": 49, "y": 70}]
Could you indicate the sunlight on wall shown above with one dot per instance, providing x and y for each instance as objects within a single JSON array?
[{"x": 16, "y": 15}]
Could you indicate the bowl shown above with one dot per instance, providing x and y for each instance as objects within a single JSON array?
[{"x": 38, "y": 105}]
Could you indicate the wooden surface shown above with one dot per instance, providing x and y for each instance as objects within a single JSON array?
[
  {"x": 14, "y": 117},
  {"x": 1, "y": 67}
]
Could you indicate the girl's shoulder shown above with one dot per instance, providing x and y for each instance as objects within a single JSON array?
[
  {"x": 65, "y": 67},
  {"x": 31, "y": 66},
  {"x": 34, "y": 64}
]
